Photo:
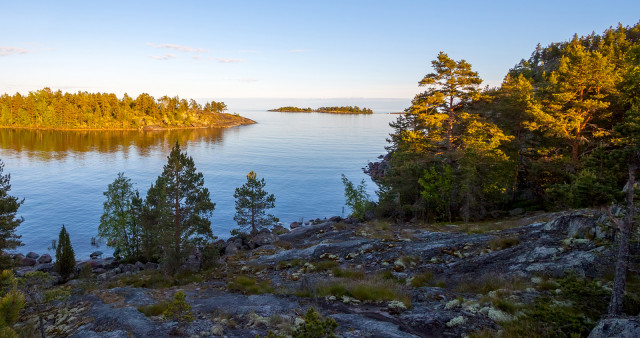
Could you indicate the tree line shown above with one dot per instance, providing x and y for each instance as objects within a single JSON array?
[
  {"x": 331, "y": 110},
  {"x": 82, "y": 110},
  {"x": 558, "y": 133}
]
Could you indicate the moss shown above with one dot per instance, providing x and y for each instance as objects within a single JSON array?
[
  {"x": 248, "y": 285},
  {"x": 325, "y": 265},
  {"x": 153, "y": 309},
  {"x": 292, "y": 263},
  {"x": 372, "y": 289},
  {"x": 352, "y": 274}
]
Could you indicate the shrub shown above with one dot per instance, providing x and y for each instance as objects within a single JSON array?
[
  {"x": 248, "y": 285},
  {"x": 178, "y": 309},
  {"x": 154, "y": 309},
  {"x": 501, "y": 243},
  {"x": 316, "y": 326},
  {"x": 351, "y": 274},
  {"x": 423, "y": 279}
]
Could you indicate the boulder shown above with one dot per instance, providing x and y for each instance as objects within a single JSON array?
[
  {"x": 294, "y": 225},
  {"x": 335, "y": 219},
  {"x": 46, "y": 267},
  {"x": 96, "y": 254},
  {"x": 46, "y": 258},
  {"x": 279, "y": 229},
  {"x": 230, "y": 249},
  {"x": 27, "y": 261},
  {"x": 33, "y": 255},
  {"x": 264, "y": 237},
  {"x": 150, "y": 266},
  {"x": 617, "y": 327}
]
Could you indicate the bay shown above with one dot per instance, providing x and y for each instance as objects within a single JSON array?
[{"x": 62, "y": 174}]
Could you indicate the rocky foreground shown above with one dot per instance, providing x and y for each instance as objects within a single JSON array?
[{"x": 374, "y": 279}]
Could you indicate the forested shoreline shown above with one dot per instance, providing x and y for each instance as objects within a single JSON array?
[
  {"x": 45, "y": 109},
  {"x": 560, "y": 132},
  {"x": 328, "y": 110}
]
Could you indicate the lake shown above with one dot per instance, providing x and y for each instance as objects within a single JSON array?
[{"x": 62, "y": 175}]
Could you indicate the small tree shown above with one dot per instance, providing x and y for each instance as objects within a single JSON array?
[
  {"x": 119, "y": 224},
  {"x": 11, "y": 303},
  {"x": 251, "y": 205},
  {"x": 65, "y": 258},
  {"x": 357, "y": 197},
  {"x": 8, "y": 221}
]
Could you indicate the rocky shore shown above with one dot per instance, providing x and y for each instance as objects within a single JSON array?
[{"x": 374, "y": 279}]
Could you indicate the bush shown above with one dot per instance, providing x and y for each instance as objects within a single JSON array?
[
  {"x": 316, "y": 326},
  {"x": 250, "y": 286},
  {"x": 178, "y": 309},
  {"x": 423, "y": 279},
  {"x": 153, "y": 309}
]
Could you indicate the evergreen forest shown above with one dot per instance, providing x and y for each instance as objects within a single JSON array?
[
  {"x": 82, "y": 110},
  {"x": 560, "y": 132}
]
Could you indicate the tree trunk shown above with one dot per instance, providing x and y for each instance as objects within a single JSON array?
[{"x": 622, "y": 264}]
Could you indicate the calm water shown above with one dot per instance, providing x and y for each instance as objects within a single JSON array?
[{"x": 62, "y": 175}]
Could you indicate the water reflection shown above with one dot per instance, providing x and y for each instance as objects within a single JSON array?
[{"x": 48, "y": 145}]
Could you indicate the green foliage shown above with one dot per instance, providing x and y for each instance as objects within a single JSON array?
[
  {"x": 153, "y": 310},
  {"x": 351, "y": 274},
  {"x": 8, "y": 221},
  {"x": 251, "y": 205},
  {"x": 423, "y": 279},
  {"x": 177, "y": 211},
  {"x": 65, "y": 258},
  {"x": 249, "y": 286},
  {"x": 315, "y": 326},
  {"x": 119, "y": 224},
  {"x": 82, "y": 110},
  {"x": 357, "y": 197},
  {"x": 178, "y": 309},
  {"x": 438, "y": 189},
  {"x": 557, "y": 133},
  {"x": 12, "y": 302},
  {"x": 364, "y": 289},
  {"x": 331, "y": 110}
]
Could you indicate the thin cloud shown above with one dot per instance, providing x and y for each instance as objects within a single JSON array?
[
  {"x": 251, "y": 51},
  {"x": 6, "y": 51},
  {"x": 299, "y": 50},
  {"x": 196, "y": 57},
  {"x": 247, "y": 80},
  {"x": 179, "y": 48},
  {"x": 163, "y": 57},
  {"x": 221, "y": 60}
]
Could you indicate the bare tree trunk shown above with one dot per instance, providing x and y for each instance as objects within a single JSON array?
[{"x": 622, "y": 263}]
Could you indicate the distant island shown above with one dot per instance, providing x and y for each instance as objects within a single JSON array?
[
  {"x": 45, "y": 109},
  {"x": 328, "y": 110}
]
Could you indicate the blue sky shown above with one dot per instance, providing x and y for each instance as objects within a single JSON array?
[{"x": 277, "y": 49}]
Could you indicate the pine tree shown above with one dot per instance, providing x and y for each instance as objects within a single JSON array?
[
  {"x": 251, "y": 205},
  {"x": 8, "y": 221},
  {"x": 65, "y": 258},
  {"x": 11, "y": 303},
  {"x": 180, "y": 207}
]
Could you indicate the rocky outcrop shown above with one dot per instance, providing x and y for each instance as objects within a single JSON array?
[{"x": 617, "y": 327}]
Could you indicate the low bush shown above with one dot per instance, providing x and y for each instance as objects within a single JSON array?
[
  {"x": 153, "y": 309},
  {"x": 251, "y": 286}
]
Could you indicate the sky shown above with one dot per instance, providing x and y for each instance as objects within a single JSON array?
[{"x": 276, "y": 50}]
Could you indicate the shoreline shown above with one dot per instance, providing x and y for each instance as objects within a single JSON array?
[{"x": 245, "y": 122}]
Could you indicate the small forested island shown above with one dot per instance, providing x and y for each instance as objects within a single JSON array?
[
  {"x": 328, "y": 110},
  {"x": 45, "y": 109}
]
